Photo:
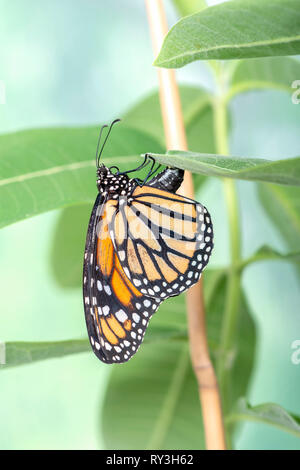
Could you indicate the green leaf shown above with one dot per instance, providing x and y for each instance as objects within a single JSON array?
[
  {"x": 156, "y": 390},
  {"x": 253, "y": 169},
  {"x": 234, "y": 30},
  {"x": 18, "y": 353},
  {"x": 21, "y": 352},
  {"x": 188, "y": 7},
  {"x": 197, "y": 114},
  {"x": 266, "y": 253},
  {"x": 46, "y": 169},
  {"x": 282, "y": 204},
  {"x": 157, "y": 393},
  {"x": 267, "y": 413},
  {"x": 273, "y": 72},
  {"x": 240, "y": 360},
  {"x": 67, "y": 247}
]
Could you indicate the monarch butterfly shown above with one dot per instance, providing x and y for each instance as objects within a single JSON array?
[{"x": 144, "y": 244}]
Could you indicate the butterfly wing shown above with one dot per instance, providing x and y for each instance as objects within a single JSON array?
[
  {"x": 163, "y": 240},
  {"x": 117, "y": 313}
]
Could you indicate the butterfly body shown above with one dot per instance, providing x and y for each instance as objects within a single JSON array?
[{"x": 144, "y": 244}]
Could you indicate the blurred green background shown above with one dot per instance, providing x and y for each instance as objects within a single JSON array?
[{"x": 86, "y": 62}]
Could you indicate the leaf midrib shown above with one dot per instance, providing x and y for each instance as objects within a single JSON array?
[
  {"x": 54, "y": 170},
  {"x": 230, "y": 46}
]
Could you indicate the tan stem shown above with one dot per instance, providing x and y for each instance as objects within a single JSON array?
[{"x": 176, "y": 140}]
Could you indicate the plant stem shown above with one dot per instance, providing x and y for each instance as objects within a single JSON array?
[
  {"x": 229, "y": 324},
  {"x": 176, "y": 139}
]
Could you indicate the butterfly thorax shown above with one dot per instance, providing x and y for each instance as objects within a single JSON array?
[{"x": 113, "y": 185}]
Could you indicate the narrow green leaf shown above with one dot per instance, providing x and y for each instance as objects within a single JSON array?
[
  {"x": 46, "y": 169},
  {"x": 21, "y": 352},
  {"x": 253, "y": 169},
  {"x": 274, "y": 72},
  {"x": 234, "y": 30},
  {"x": 282, "y": 204},
  {"x": 267, "y": 413},
  {"x": 266, "y": 253},
  {"x": 188, "y": 7}
]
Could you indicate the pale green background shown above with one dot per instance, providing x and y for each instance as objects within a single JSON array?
[{"x": 67, "y": 62}]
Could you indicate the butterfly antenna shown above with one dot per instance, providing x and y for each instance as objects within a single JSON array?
[
  {"x": 105, "y": 140},
  {"x": 98, "y": 144}
]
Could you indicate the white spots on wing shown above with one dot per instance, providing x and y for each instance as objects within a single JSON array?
[
  {"x": 105, "y": 310},
  {"x": 122, "y": 255},
  {"x": 138, "y": 306},
  {"x": 156, "y": 288},
  {"x": 121, "y": 315},
  {"x": 107, "y": 346},
  {"x": 133, "y": 334},
  {"x": 126, "y": 270},
  {"x": 136, "y": 317},
  {"x": 190, "y": 274},
  {"x": 99, "y": 286},
  {"x": 87, "y": 300},
  {"x": 92, "y": 341},
  {"x": 147, "y": 303},
  {"x": 91, "y": 258},
  {"x": 97, "y": 345},
  {"x": 137, "y": 282},
  {"x": 107, "y": 289}
]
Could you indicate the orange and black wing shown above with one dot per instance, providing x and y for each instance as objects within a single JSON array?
[
  {"x": 117, "y": 313},
  {"x": 163, "y": 241}
]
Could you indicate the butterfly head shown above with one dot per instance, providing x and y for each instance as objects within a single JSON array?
[{"x": 113, "y": 184}]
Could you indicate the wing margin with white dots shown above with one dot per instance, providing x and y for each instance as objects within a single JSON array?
[
  {"x": 117, "y": 314},
  {"x": 162, "y": 261}
]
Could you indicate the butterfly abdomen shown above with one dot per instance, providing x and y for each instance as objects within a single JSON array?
[{"x": 169, "y": 179}]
